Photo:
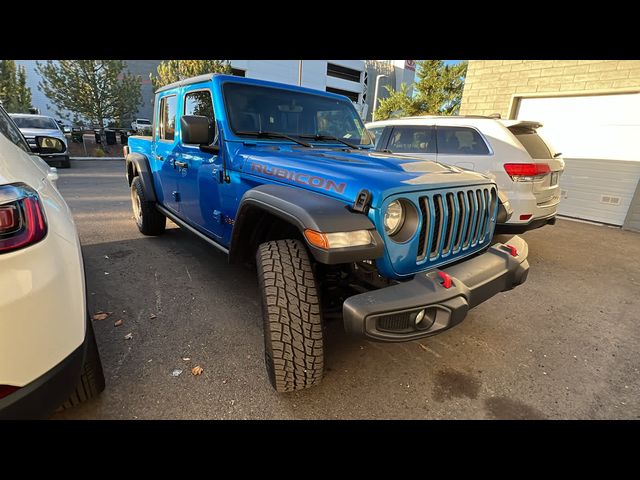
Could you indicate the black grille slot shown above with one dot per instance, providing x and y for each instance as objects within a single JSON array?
[
  {"x": 462, "y": 211},
  {"x": 473, "y": 210},
  {"x": 437, "y": 226},
  {"x": 448, "y": 227},
  {"x": 424, "y": 230},
  {"x": 481, "y": 209},
  {"x": 394, "y": 322}
]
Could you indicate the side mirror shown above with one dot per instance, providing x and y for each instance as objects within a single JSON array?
[{"x": 49, "y": 145}]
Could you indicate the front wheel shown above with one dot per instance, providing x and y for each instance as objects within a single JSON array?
[
  {"x": 148, "y": 219},
  {"x": 293, "y": 337}
]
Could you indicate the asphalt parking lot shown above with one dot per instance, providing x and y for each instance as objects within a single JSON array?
[{"x": 563, "y": 345}]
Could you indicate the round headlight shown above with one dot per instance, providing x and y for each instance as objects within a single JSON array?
[{"x": 393, "y": 217}]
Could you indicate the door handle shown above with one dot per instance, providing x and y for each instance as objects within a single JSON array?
[
  {"x": 158, "y": 157},
  {"x": 181, "y": 164}
]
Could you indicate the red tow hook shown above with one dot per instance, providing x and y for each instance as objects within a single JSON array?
[
  {"x": 513, "y": 250},
  {"x": 446, "y": 280}
]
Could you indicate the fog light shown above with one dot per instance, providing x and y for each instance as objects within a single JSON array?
[{"x": 419, "y": 317}]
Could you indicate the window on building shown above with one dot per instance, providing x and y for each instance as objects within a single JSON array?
[
  {"x": 461, "y": 141},
  {"x": 417, "y": 139},
  {"x": 353, "y": 96},
  {"x": 344, "y": 73},
  {"x": 168, "y": 117},
  {"x": 238, "y": 72}
]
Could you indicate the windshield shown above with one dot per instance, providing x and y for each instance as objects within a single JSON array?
[
  {"x": 35, "y": 122},
  {"x": 252, "y": 108}
]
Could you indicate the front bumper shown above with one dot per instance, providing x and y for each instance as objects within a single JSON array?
[{"x": 388, "y": 314}]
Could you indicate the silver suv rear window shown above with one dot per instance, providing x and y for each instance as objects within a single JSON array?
[{"x": 532, "y": 142}]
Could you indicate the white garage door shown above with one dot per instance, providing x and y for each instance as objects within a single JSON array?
[{"x": 599, "y": 137}]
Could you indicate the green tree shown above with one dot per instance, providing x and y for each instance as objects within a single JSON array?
[
  {"x": 92, "y": 90},
  {"x": 14, "y": 93},
  {"x": 170, "y": 71},
  {"x": 437, "y": 91},
  {"x": 23, "y": 93}
]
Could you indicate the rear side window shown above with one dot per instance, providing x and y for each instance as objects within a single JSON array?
[
  {"x": 461, "y": 141},
  {"x": 413, "y": 140},
  {"x": 532, "y": 142},
  {"x": 168, "y": 118}
]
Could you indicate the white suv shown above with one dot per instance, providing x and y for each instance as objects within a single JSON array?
[
  {"x": 525, "y": 167},
  {"x": 48, "y": 354}
]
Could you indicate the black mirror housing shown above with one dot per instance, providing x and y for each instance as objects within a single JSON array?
[
  {"x": 49, "y": 145},
  {"x": 195, "y": 129}
]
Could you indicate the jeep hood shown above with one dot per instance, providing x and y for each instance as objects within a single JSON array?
[{"x": 343, "y": 173}]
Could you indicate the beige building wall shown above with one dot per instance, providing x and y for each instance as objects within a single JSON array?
[{"x": 491, "y": 86}]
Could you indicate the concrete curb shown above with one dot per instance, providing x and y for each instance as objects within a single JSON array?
[{"x": 96, "y": 158}]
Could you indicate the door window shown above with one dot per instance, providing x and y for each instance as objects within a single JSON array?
[
  {"x": 418, "y": 139},
  {"x": 461, "y": 141},
  {"x": 200, "y": 103},
  {"x": 168, "y": 118}
]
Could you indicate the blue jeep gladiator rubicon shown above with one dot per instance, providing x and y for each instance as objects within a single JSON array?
[{"x": 285, "y": 176}]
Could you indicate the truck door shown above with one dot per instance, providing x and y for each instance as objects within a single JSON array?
[
  {"x": 163, "y": 151},
  {"x": 201, "y": 183}
]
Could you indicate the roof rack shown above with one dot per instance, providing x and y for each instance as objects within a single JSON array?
[{"x": 492, "y": 116}]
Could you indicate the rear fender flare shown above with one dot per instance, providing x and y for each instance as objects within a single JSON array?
[{"x": 138, "y": 165}]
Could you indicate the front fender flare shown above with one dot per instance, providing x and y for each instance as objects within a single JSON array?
[{"x": 305, "y": 209}]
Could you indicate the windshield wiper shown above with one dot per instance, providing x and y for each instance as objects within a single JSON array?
[
  {"x": 261, "y": 134},
  {"x": 331, "y": 137}
]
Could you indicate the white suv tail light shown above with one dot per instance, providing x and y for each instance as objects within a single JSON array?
[
  {"x": 526, "y": 172},
  {"x": 22, "y": 220}
]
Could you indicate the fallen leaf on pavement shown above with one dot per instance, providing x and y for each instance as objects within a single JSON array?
[
  {"x": 101, "y": 315},
  {"x": 186, "y": 359},
  {"x": 152, "y": 316},
  {"x": 197, "y": 370},
  {"x": 117, "y": 323},
  {"x": 128, "y": 336},
  {"x": 423, "y": 347}
]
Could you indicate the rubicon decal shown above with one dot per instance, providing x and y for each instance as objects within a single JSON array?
[{"x": 298, "y": 177}]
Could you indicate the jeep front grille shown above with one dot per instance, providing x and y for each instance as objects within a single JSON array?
[{"x": 454, "y": 222}]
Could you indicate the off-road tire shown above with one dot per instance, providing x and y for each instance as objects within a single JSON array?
[
  {"x": 92, "y": 377},
  {"x": 148, "y": 219},
  {"x": 293, "y": 337}
]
